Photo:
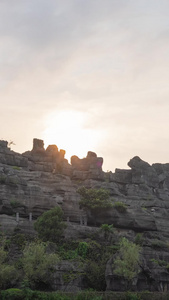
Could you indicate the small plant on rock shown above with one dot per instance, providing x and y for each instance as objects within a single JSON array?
[{"x": 120, "y": 206}]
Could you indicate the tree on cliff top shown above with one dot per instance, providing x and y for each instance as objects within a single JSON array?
[{"x": 50, "y": 225}]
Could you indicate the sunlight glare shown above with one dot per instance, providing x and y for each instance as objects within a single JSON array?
[{"x": 67, "y": 130}]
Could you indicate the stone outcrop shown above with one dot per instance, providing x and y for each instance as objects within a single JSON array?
[{"x": 40, "y": 179}]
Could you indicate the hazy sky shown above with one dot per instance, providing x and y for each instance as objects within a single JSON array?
[{"x": 86, "y": 75}]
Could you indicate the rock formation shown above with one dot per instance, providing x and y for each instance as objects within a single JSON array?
[{"x": 37, "y": 180}]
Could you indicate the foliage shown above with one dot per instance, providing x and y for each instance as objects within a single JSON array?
[
  {"x": 161, "y": 263},
  {"x": 120, "y": 206},
  {"x": 96, "y": 260},
  {"x": 37, "y": 264},
  {"x": 95, "y": 275},
  {"x": 50, "y": 225},
  {"x": 15, "y": 203},
  {"x": 7, "y": 272},
  {"x": 155, "y": 243},
  {"x": 16, "y": 168},
  {"x": 28, "y": 294},
  {"x": 12, "y": 294},
  {"x": 68, "y": 254},
  {"x": 95, "y": 251},
  {"x": 107, "y": 229},
  {"x": 132, "y": 296},
  {"x": 19, "y": 239},
  {"x": 126, "y": 263},
  {"x": 94, "y": 199},
  {"x": 139, "y": 239},
  {"x": 82, "y": 249}
]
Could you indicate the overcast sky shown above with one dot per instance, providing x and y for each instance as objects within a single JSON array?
[{"x": 106, "y": 62}]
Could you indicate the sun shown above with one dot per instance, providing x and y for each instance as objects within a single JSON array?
[{"x": 68, "y": 130}]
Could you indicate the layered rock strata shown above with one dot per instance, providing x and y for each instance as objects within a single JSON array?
[{"x": 40, "y": 179}]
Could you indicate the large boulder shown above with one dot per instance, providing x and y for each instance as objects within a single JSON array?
[{"x": 142, "y": 172}]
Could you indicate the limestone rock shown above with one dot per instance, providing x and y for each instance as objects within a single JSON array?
[
  {"x": 142, "y": 172},
  {"x": 38, "y": 180}
]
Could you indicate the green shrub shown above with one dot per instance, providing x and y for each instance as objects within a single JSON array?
[
  {"x": 94, "y": 199},
  {"x": 158, "y": 244},
  {"x": 120, "y": 206},
  {"x": 161, "y": 263},
  {"x": 50, "y": 225},
  {"x": 139, "y": 239},
  {"x": 132, "y": 296},
  {"x": 95, "y": 251},
  {"x": 37, "y": 264},
  {"x": 19, "y": 239},
  {"x": 95, "y": 275},
  {"x": 87, "y": 295},
  {"x": 7, "y": 272},
  {"x": 12, "y": 294},
  {"x": 82, "y": 249},
  {"x": 126, "y": 263},
  {"x": 14, "y": 203},
  {"x": 107, "y": 230},
  {"x": 16, "y": 168}
]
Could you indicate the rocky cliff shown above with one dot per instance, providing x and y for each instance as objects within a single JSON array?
[{"x": 40, "y": 179}]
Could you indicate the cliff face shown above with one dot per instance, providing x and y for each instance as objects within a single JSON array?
[{"x": 40, "y": 179}]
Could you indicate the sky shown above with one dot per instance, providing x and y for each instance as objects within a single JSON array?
[{"x": 86, "y": 75}]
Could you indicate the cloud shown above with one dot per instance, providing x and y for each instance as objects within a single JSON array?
[{"x": 109, "y": 59}]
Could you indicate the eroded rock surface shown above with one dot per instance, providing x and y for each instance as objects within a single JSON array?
[{"x": 37, "y": 180}]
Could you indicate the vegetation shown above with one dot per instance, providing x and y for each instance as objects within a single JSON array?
[
  {"x": 95, "y": 199},
  {"x": 7, "y": 271},
  {"x": 157, "y": 244},
  {"x": 28, "y": 294},
  {"x": 120, "y": 206},
  {"x": 139, "y": 239},
  {"x": 50, "y": 225},
  {"x": 107, "y": 230},
  {"x": 15, "y": 203},
  {"x": 126, "y": 263},
  {"x": 37, "y": 264},
  {"x": 16, "y": 168}
]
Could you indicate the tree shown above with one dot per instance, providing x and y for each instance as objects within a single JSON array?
[
  {"x": 94, "y": 199},
  {"x": 50, "y": 225},
  {"x": 107, "y": 230},
  {"x": 37, "y": 264},
  {"x": 7, "y": 272},
  {"x": 126, "y": 263}
]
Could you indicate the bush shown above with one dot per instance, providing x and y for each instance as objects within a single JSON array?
[
  {"x": 82, "y": 249},
  {"x": 50, "y": 225},
  {"x": 132, "y": 296},
  {"x": 12, "y": 294},
  {"x": 95, "y": 275},
  {"x": 157, "y": 244},
  {"x": 19, "y": 239},
  {"x": 7, "y": 272},
  {"x": 107, "y": 230},
  {"x": 126, "y": 263},
  {"x": 120, "y": 206},
  {"x": 139, "y": 239},
  {"x": 14, "y": 203},
  {"x": 94, "y": 199},
  {"x": 37, "y": 264}
]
